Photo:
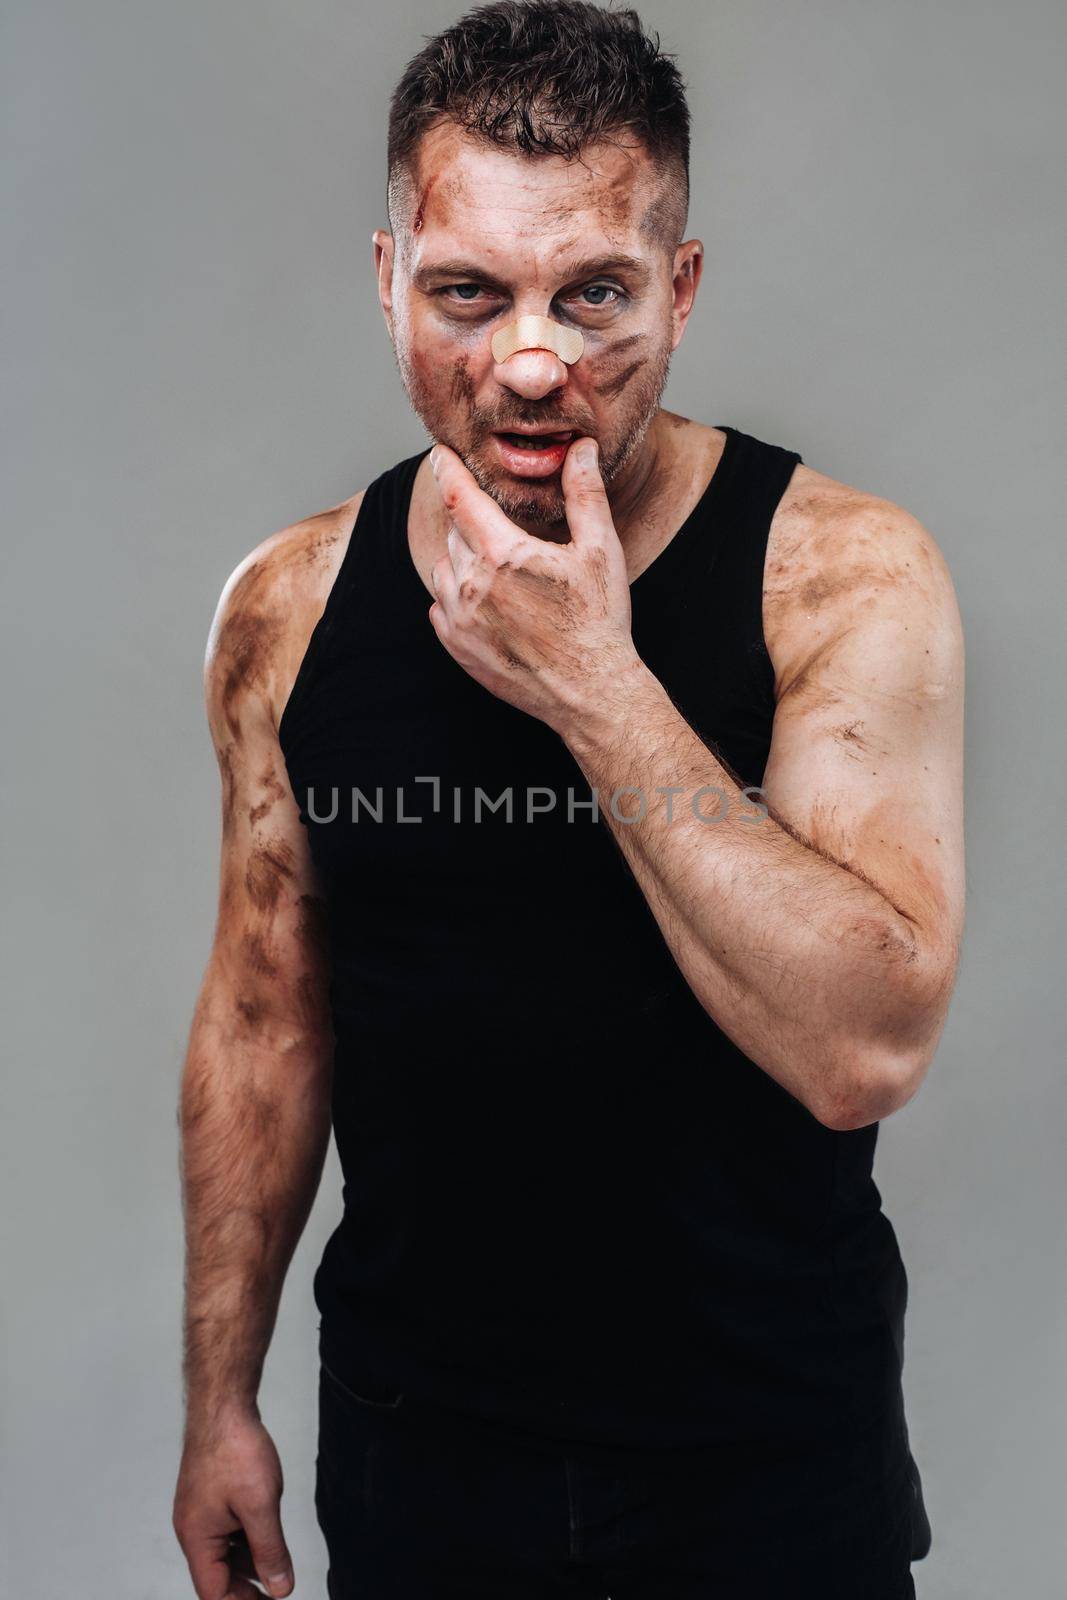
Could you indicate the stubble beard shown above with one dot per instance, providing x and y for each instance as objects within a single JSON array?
[{"x": 545, "y": 508}]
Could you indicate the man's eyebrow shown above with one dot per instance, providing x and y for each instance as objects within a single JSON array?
[
  {"x": 452, "y": 270},
  {"x": 593, "y": 266},
  {"x": 588, "y": 267}
]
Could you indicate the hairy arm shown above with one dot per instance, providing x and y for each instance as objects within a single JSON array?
[
  {"x": 254, "y": 1111},
  {"x": 823, "y": 937}
]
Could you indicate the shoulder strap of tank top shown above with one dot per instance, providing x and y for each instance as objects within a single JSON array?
[
  {"x": 761, "y": 477},
  {"x": 749, "y": 499},
  {"x": 379, "y": 538},
  {"x": 372, "y": 547}
]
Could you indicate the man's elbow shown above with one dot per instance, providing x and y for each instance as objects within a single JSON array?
[
  {"x": 872, "y": 1090},
  {"x": 879, "y": 1077},
  {"x": 876, "y": 1078}
]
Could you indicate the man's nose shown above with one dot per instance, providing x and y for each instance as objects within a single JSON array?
[{"x": 531, "y": 374}]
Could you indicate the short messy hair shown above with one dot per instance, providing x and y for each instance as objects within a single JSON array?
[{"x": 546, "y": 77}]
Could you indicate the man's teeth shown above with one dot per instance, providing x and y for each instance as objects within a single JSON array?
[{"x": 528, "y": 442}]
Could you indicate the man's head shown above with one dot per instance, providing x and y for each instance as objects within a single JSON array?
[{"x": 538, "y": 167}]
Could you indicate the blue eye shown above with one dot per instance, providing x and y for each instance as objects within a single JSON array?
[
  {"x": 473, "y": 286},
  {"x": 600, "y": 288}
]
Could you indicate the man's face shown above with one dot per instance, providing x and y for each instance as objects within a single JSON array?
[{"x": 492, "y": 236}]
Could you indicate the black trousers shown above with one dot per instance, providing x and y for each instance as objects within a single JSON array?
[{"x": 417, "y": 1504}]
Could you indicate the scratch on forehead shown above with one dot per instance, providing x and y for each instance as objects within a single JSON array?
[{"x": 420, "y": 209}]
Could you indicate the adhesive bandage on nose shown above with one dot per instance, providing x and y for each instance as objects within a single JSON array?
[{"x": 537, "y": 333}]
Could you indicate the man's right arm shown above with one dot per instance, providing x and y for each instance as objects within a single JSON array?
[{"x": 254, "y": 1111}]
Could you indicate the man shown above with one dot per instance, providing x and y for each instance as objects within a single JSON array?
[{"x": 592, "y": 854}]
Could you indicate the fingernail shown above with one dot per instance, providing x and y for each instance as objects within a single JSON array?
[
  {"x": 587, "y": 453},
  {"x": 434, "y": 460},
  {"x": 279, "y": 1582}
]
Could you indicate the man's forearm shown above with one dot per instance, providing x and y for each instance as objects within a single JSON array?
[
  {"x": 255, "y": 1124},
  {"x": 810, "y": 970}
]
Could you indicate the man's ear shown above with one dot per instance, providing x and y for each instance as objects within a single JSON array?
[
  {"x": 383, "y": 271},
  {"x": 688, "y": 264}
]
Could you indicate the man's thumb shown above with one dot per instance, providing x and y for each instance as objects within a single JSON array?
[
  {"x": 273, "y": 1564},
  {"x": 584, "y": 495}
]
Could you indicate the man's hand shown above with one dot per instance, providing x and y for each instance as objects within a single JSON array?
[
  {"x": 543, "y": 626},
  {"x": 227, "y": 1510}
]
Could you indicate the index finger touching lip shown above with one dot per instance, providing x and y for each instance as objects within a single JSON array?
[{"x": 475, "y": 515}]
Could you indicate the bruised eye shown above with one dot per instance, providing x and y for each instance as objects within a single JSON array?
[
  {"x": 460, "y": 289},
  {"x": 593, "y": 295},
  {"x": 601, "y": 289}
]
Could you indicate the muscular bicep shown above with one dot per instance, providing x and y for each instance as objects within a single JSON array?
[
  {"x": 866, "y": 759},
  {"x": 270, "y": 956}
]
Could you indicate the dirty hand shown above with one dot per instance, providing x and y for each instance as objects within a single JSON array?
[{"x": 543, "y": 626}]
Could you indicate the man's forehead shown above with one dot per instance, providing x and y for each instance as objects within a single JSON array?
[{"x": 471, "y": 188}]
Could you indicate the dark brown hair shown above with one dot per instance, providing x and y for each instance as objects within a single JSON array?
[{"x": 545, "y": 77}]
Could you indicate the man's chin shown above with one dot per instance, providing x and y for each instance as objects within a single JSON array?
[{"x": 524, "y": 500}]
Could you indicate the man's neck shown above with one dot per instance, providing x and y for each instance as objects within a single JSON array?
[{"x": 639, "y": 495}]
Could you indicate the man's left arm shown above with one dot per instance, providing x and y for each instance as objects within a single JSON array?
[{"x": 822, "y": 937}]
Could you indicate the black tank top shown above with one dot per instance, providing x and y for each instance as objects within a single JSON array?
[{"x": 570, "y": 1203}]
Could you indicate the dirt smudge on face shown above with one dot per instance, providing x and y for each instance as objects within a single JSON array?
[
  {"x": 461, "y": 389},
  {"x": 608, "y": 375},
  {"x": 613, "y": 387}
]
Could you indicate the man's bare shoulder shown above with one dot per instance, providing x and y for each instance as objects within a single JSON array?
[
  {"x": 840, "y": 559},
  {"x": 266, "y": 614}
]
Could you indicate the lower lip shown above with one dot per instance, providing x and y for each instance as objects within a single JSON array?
[{"x": 540, "y": 463}]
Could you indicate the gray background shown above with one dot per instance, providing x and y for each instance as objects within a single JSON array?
[{"x": 197, "y": 359}]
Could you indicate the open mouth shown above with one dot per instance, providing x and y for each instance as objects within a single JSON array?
[
  {"x": 537, "y": 441},
  {"x": 533, "y": 453}
]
